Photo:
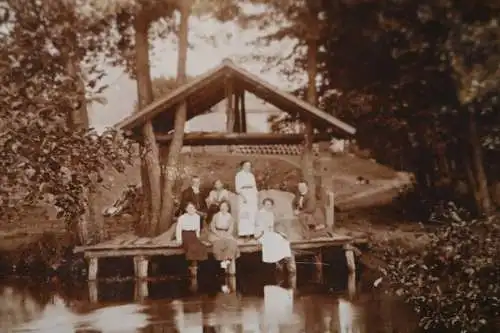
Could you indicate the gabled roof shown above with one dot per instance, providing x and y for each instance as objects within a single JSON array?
[{"x": 208, "y": 89}]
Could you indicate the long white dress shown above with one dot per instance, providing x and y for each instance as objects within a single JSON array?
[
  {"x": 274, "y": 246},
  {"x": 246, "y": 186}
]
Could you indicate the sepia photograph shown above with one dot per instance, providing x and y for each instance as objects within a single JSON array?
[{"x": 249, "y": 166}]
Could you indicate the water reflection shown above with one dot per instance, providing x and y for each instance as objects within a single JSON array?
[
  {"x": 19, "y": 312},
  {"x": 349, "y": 317},
  {"x": 222, "y": 308}
]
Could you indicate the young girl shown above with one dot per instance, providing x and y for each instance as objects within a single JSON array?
[
  {"x": 187, "y": 233},
  {"x": 225, "y": 246},
  {"x": 275, "y": 246}
]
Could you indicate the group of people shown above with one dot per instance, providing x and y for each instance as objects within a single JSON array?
[{"x": 214, "y": 213}]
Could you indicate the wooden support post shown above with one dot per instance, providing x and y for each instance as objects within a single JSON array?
[
  {"x": 230, "y": 121},
  {"x": 237, "y": 112},
  {"x": 231, "y": 269},
  {"x": 327, "y": 322},
  {"x": 318, "y": 262},
  {"x": 351, "y": 284},
  {"x": 292, "y": 281},
  {"x": 93, "y": 292},
  {"x": 141, "y": 267},
  {"x": 350, "y": 258},
  {"x": 330, "y": 209},
  {"x": 93, "y": 269},
  {"x": 141, "y": 290},
  {"x": 308, "y": 157},
  {"x": 230, "y": 116},
  {"x": 320, "y": 189},
  {"x": 243, "y": 112},
  {"x": 231, "y": 282},
  {"x": 291, "y": 265},
  {"x": 193, "y": 269},
  {"x": 193, "y": 276}
]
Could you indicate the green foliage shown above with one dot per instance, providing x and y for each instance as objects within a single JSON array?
[
  {"x": 42, "y": 157},
  {"x": 454, "y": 283}
]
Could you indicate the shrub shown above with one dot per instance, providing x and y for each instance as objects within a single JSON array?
[{"x": 454, "y": 283}]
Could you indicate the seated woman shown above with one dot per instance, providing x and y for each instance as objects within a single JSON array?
[
  {"x": 187, "y": 233},
  {"x": 275, "y": 246},
  {"x": 225, "y": 246},
  {"x": 215, "y": 197}
]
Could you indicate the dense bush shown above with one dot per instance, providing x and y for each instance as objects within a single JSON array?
[
  {"x": 454, "y": 282},
  {"x": 434, "y": 205}
]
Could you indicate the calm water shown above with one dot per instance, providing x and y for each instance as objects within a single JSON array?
[{"x": 252, "y": 303}]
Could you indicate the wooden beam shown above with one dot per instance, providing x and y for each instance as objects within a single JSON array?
[
  {"x": 286, "y": 101},
  {"x": 217, "y": 138},
  {"x": 173, "y": 98}
]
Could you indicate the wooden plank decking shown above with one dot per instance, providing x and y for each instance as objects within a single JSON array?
[
  {"x": 142, "y": 248},
  {"x": 131, "y": 245}
]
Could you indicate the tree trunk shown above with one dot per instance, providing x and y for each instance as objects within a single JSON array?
[
  {"x": 312, "y": 98},
  {"x": 89, "y": 222},
  {"x": 469, "y": 171},
  {"x": 174, "y": 152},
  {"x": 150, "y": 164},
  {"x": 483, "y": 198}
]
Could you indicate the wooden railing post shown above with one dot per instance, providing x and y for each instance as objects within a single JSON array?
[{"x": 330, "y": 209}]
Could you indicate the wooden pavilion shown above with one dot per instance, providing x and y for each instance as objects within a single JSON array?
[
  {"x": 230, "y": 82},
  {"x": 225, "y": 82}
]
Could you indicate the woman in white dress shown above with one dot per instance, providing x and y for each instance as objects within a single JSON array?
[
  {"x": 275, "y": 246},
  {"x": 248, "y": 200}
]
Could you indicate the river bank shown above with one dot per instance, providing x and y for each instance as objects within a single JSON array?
[{"x": 48, "y": 254}]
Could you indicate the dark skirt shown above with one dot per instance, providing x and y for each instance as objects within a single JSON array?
[{"x": 193, "y": 247}]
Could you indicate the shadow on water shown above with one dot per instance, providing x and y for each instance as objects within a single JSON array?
[{"x": 258, "y": 300}]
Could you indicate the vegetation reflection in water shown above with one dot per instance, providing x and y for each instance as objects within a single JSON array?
[{"x": 265, "y": 308}]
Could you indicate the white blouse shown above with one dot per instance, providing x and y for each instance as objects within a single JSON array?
[
  {"x": 215, "y": 197},
  {"x": 245, "y": 181},
  {"x": 187, "y": 222},
  {"x": 265, "y": 221}
]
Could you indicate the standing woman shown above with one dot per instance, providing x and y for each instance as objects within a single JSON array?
[
  {"x": 187, "y": 233},
  {"x": 248, "y": 200}
]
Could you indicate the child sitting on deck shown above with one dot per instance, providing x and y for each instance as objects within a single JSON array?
[
  {"x": 187, "y": 233},
  {"x": 275, "y": 246}
]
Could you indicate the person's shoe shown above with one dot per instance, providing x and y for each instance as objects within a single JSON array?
[{"x": 225, "y": 289}]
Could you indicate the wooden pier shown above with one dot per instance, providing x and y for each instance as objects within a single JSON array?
[{"x": 140, "y": 249}]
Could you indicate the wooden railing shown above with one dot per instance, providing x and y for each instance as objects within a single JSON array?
[{"x": 291, "y": 150}]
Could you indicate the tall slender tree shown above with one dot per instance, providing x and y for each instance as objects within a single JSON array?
[{"x": 170, "y": 173}]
